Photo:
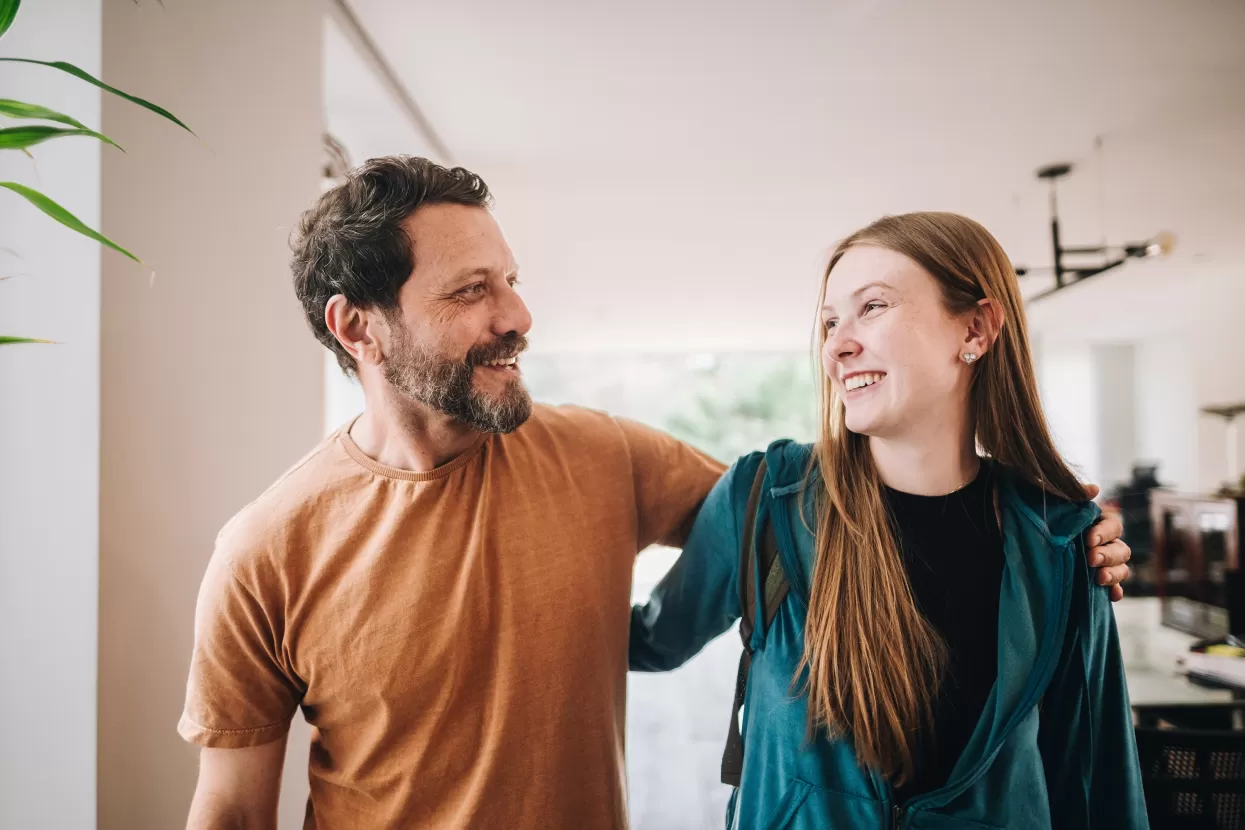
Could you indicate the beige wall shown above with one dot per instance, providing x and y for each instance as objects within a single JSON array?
[{"x": 212, "y": 384}]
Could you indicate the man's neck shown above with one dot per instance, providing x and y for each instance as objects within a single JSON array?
[
  {"x": 409, "y": 436},
  {"x": 932, "y": 462}
]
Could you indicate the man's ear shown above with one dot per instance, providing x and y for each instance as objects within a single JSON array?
[{"x": 355, "y": 329}]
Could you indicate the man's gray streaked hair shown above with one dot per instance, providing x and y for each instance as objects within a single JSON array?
[{"x": 351, "y": 242}]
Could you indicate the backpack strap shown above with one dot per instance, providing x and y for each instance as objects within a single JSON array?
[{"x": 775, "y": 591}]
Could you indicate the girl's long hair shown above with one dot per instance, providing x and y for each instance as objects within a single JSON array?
[{"x": 873, "y": 662}]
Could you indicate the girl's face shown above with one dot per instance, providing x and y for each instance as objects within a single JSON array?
[{"x": 892, "y": 350}]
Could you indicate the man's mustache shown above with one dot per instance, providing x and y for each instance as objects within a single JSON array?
[{"x": 510, "y": 345}]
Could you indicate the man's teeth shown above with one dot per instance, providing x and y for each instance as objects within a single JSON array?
[
  {"x": 857, "y": 381},
  {"x": 505, "y": 361}
]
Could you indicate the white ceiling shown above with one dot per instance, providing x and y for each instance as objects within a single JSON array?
[{"x": 672, "y": 174}]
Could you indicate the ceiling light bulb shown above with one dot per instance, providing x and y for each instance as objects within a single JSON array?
[{"x": 1161, "y": 244}]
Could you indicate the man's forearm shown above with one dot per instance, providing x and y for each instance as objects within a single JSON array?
[
  {"x": 210, "y": 811},
  {"x": 238, "y": 788}
]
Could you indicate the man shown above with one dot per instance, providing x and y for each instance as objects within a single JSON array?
[{"x": 443, "y": 584}]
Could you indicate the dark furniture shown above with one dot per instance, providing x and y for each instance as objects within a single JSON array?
[
  {"x": 1196, "y": 557},
  {"x": 1193, "y": 765},
  {"x": 1133, "y": 498}
]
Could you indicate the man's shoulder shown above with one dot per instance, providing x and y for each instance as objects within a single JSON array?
[
  {"x": 575, "y": 424},
  {"x": 285, "y": 511},
  {"x": 582, "y": 427},
  {"x": 571, "y": 417}
]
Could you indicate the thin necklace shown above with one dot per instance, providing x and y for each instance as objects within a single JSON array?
[{"x": 968, "y": 480}]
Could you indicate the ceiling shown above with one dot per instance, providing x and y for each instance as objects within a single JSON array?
[{"x": 671, "y": 175}]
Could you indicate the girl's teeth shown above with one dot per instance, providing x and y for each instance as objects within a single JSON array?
[{"x": 860, "y": 381}]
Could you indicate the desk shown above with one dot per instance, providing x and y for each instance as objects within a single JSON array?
[
  {"x": 1150, "y": 650},
  {"x": 1150, "y": 686}
]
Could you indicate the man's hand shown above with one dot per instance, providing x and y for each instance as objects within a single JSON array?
[
  {"x": 238, "y": 788},
  {"x": 1107, "y": 551}
]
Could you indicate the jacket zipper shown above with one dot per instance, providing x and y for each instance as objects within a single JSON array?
[
  {"x": 897, "y": 811},
  {"x": 954, "y": 789},
  {"x": 886, "y": 794}
]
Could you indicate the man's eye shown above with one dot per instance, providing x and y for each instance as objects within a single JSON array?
[{"x": 473, "y": 290}]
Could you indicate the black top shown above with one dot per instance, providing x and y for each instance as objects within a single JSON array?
[{"x": 953, "y": 553}]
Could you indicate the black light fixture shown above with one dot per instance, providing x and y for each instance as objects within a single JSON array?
[{"x": 1110, "y": 256}]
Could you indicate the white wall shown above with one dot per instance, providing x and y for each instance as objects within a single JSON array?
[
  {"x": 1114, "y": 385},
  {"x": 1092, "y": 394},
  {"x": 1179, "y": 372},
  {"x": 343, "y": 396},
  {"x": 360, "y": 112},
  {"x": 1066, "y": 380},
  {"x": 1166, "y": 405},
  {"x": 49, "y": 440},
  {"x": 1217, "y": 361},
  {"x": 1112, "y": 404}
]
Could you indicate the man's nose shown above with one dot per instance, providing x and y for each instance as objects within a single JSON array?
[{"x": 511, "y": 313}]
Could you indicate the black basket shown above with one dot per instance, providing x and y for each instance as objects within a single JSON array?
[{"x": 1194, "y": 776}]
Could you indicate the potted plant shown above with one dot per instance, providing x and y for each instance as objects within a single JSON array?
[{"x": 28, "y": 124}]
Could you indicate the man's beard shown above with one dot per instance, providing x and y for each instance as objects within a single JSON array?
[{"x": 446, "y": 385}]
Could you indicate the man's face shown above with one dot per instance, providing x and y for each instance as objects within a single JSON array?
[{"x": 460, "y": 326}]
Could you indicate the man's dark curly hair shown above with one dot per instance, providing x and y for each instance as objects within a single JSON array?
[{"x": 351, "y": 242}]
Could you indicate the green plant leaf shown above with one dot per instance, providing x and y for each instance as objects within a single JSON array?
[
  {"x": 6, "y": 340},
  {"x": 19, "y": 138},
  {"x": 8, "y": 11},
  {"x": 66, "y": 218},
  {"x": 90, "y": 79},
  {"x": 20, "y": 109}
]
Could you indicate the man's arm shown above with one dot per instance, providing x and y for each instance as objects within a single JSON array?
[
  {"x": 671, "y": 479},
  {"x": 238, "y": 788},
  {"x": 241, "y": 692},
  {"x": 698, "y": 598}
]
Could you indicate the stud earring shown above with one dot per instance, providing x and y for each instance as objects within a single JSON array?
[{"x": 968, "y": 357}]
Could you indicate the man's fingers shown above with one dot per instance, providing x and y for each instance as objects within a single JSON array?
[
  {"x": 1117, "y": 593},
  {"x": 1113, "y": 576},
  {"x": 1107, "y": 529},
  {"x": 1110, "y": 554}
]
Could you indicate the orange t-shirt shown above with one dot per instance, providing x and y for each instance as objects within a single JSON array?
[{"x": 457, "y": 639}]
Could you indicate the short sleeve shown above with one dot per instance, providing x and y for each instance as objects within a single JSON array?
[
  {"x": 238, "y": 694},
  {"x": 671, "y": 481}
]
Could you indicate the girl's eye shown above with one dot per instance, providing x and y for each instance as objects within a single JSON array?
[
  {"x": 830, "y": 324},
  {"x": 873, "y": 306}
]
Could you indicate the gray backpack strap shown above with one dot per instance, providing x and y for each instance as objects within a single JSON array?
[{"x": 775, "y": 591}]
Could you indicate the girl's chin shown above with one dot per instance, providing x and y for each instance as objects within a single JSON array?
[{"x": 872, "y": 426}]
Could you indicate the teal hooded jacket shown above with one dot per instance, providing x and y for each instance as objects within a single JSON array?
[{"x": 1054, "y": 747}]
